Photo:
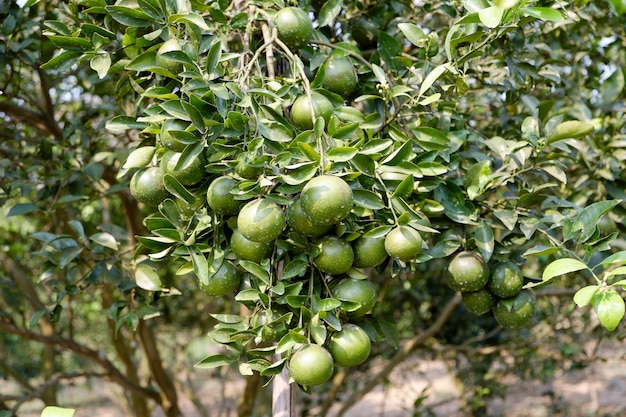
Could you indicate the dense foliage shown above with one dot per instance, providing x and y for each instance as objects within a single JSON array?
[{"x": 207, "y": 166}]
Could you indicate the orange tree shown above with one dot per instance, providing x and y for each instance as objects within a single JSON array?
[{"x": 309, "y": 161}]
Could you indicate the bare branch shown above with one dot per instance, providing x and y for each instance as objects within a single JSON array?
[{"x": 111, "y": 371}]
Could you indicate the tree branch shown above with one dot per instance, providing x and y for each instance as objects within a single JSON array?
[
  {"x": 402, "y": 354},
  {"x": 111, "y": 371}
]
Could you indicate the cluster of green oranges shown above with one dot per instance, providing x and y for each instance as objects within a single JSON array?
[
  {"x": 498, "y": 289},
  {"x": 254, "y": 226}
]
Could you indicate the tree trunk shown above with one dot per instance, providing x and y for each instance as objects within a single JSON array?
[{"x": 138, "y": 402}]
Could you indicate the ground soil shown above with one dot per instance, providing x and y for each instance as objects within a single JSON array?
[{"x": 598, "y": 390}]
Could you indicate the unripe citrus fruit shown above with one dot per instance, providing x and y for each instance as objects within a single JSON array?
[
  {"x": 335, "y": 257},
  {"x": 189, "y": 175},
  {"x": 162, "y": 61},
  {"x": 301, "y": 110},
  {"x": 326, "y": 200},
  {"x": 506, "y": 280},
  {"x": 226, "y": 280},
  {"x": 300, "y": 223},
  {"x": 369, "y": 252},
  {"x": 365, "y": 33},
  {"x": 517, "y": 311},
  {"x": 146, "y": 185},
  {"x": 219, "y": 197},
  {"x": 261, "y": 220},
  {"x": 403, "y": 243},
  {"x": 250, "y": 250},
  {"x": 478, "y": 302},
  {"x": 339, "y": 76},
  {"x": 311, "y": 365},
  {"x": 350, "y": 346},
  {"x": 294, "y": 27},
  {"x": 359, "y": 294},
  {"x": 467, "y": 272},
  {"x": 167, "y": 139}
]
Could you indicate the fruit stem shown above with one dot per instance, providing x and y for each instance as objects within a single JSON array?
[{"x": 297, "y": 63}]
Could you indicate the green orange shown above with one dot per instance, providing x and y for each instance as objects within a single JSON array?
[
  {"x": 335, "y": 256},
  {"x": 261, "y": 220},
  {"x": 369, "y": 252},
  {"x": 311, "y": 365},
  {"x": 517, "y": 311},
  {"x": 294, "y": 27},
  {"x": 250, "y": 250},
  {"x": 350, "y": 346},
  {"x": 220, "y": 198},
  {"x": 505, "y": 280},
  {"x": 189, "y": 175},
  {"x": 326, "y": 200},
  {"x": 339, "y": 76},
  {"x": 301, "y": 114},
  {"x": 467, "y": 271},
  {"x": 300, "y": 223},
  {"x": 146, "y": 185},
  {"x": 224, "y": 281},
  {"x": 403, "y": 243},
  {"x": 359, "y": 296}
]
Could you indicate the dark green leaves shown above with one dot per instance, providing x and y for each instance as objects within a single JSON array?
[{"x": 129, "y": 16}]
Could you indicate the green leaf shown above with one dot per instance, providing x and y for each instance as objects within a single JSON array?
[
  {"x": 146, "y": 277},
  {"x": 192, "y": 18},
  {"x": 483, "y": 235},
  {"x": 214, "y": 55},
  {"x": 571, "y": 129},
  {"x": 341, "y": 154},
  {"x": 405, "y": 188},
  {"x": 368, "y": 199},
  {"x": 173, "y": 186},
  {"x": 414, "y": 34},
  {"x": 255, "y": 269},
  {"x": 130, "y": 17},
  {"x": 614, "y": 259},
  {"x": 200, "y": 264},
  {"x": 450, "y": 196},
  {"x": 619, "y": 6},
  {"x": 101, "y": 64},
  {"x": 584, "y": 225},
  {"x": 63, "y": 61},
  {"x": 34, "y": 319},
  {"x": 477, "y": 179},
  {"x": 151, "y": 8},
  {"x": 51, "y": 411},
  {"x": 309, "y": 152},
  {"x": 543, "y": 13},
  {"x": 214, "y": 361},
  {"x": 389, "y": 48},
  {"x": 433, "y": 76},
  {"x": 329, "y": 11},
  {"x": 140, "y": 157},
  {"x": 617, "y": 271},
  {"x": 491, "y": 16},
  {"x": 609, "y": 306},
  {"x": 584, "y": 295},
  {"x": 561, "y": 267},
  {"x": 121, "y": 123},
  {"x": 71, "y": 43},
  {"x": 294, "y": 268},
  {"x": 21, "y": 208},
  {"x": 104, "y": 239}
]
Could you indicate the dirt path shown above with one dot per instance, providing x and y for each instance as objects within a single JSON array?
[{"x": 598, "y": 390}]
